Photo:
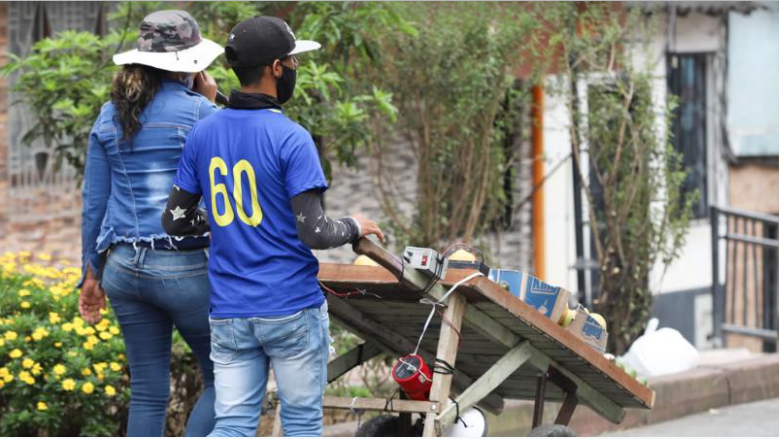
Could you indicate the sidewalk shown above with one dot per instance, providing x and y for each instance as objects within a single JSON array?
[
  {"x": 724, "y": 378},
  {"x": 753, "y": 419}
]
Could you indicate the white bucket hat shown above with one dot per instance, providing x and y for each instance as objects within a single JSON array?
[{"x": 171, "y": 41}]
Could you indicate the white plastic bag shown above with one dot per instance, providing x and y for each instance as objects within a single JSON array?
[{"x": 660, "y": 352}]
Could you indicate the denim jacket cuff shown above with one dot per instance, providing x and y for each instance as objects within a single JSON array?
[{"x": 92, "y": 263}]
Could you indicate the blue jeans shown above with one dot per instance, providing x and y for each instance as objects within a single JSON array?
[
  {"x": 150, "y": 292},
  {"x": 244, "y": 349}
]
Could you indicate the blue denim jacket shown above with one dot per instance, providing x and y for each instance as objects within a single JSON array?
[{"x": 126, "y": 189}]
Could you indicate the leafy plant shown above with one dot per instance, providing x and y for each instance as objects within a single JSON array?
[
  {"x": 454, "y": 85},
  {"x": 63, "y": 83},
  {"x": 634, "y": 178},
  {"x": 65, "y": 80}
]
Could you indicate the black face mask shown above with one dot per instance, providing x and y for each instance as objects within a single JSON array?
[{"x": 285, "y": 85}]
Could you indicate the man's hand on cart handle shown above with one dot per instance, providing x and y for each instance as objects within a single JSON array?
[{"x": 368, "y": 227}]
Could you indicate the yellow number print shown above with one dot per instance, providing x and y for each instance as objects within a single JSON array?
[
  {"x": 245, "y": 167},
  {"x": 226, "y": 218}
]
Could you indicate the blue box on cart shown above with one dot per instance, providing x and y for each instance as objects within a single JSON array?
[
  {"x": 547, "y": 299},
  {"x": 508, "y": 279}
]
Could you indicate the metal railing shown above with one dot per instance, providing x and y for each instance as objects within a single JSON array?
[{"x": 746, "y": 303}]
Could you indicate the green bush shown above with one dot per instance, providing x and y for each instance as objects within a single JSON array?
[{"x": 58, "y": 375}]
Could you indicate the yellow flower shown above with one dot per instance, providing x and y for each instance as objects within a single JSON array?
[
  {"x": 58, "y": 344},
  {"x": 120, "y": 356},
  {"x": 103, "y": 325},
  {"x": 115, "y": 367},
  {"x": 90, "y": 331},
  {"x": 106, "y": 335},
  {"x": 86, "y": 371},
  {"x": 78, "y": 321},
  {"x": 93, "y": 340},
  {"x": 24, "y": 293},
  {"x": 99, "y": 367},
  {"x": 27, "y": 363},
  {"x": 25, "y": 304},
  {"x": 42, "y": 406},
  {"x": 88, "y": 388},
  {"x": 59, "y": 369},
  {"x": 8, "y": 378},
  {"x": 36, "y": 370},
  {"x": 39, "y": 333},
  {"x": 103, "y": 311},
  {"x": 2, "y": 384},
  {"x": 54, "y": 318},
  {"x": 44, "y": 257},
  {"x": 26, "y": 377},
  {"x": 16, "y": 353},
  {"x": 88, "y": 346},
  {"x": 100, "y": 377},
  {"x": 27, "y": 339},
  {"x": 110, "y": 391},
  {"x": 67, "y": 327},
  {"x": 4, "y": 371},
  {"x": 68, "y": 384},
  {"x": 113, "y": 330},
  {"x": 10, "y": 335},
  {"x": 2, "y": 342}
]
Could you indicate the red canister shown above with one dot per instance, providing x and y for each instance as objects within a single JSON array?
[{"x": 413, "y": 376}]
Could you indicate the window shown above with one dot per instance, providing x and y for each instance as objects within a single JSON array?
[{"x": 687, "y": 81}]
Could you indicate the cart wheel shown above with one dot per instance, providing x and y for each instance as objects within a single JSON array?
[
  {"x": 386, "y": 426},
  {"x": 552, "y": 430}
]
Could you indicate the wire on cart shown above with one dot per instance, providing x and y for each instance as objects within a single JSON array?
[
  {"x": 442, "y": 367},
  {"x": 357, "y": 292},
  {"x": 451, "y": 325},
  {"x": 440, "y": 303},
  {"x": 388, "y": 403}
]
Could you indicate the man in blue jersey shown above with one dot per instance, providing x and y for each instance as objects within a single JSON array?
[{"x": 262, "y": 182}]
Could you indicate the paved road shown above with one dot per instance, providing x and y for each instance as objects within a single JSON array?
[{"x": 754, "y": 419}]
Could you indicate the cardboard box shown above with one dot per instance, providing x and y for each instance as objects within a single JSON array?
[
  {"x": 549, "y": 300},
  {"x": 588, "y": 330},
  {"x": 508, "y": 279}
]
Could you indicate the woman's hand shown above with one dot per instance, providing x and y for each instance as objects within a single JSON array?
[
  {"x": 92, "y": 299},
  {"x": 205, "y": 85}
]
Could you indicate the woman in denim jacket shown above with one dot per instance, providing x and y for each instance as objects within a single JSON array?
[{"x": 153, "y": 281}]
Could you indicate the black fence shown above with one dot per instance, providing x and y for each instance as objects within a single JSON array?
[{"x": 746, "y": 303}]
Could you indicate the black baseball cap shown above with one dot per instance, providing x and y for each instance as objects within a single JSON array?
[{"x": 258, "y": 41}]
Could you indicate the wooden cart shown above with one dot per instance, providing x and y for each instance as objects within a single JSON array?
[{"x": 508, "y": 349}]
